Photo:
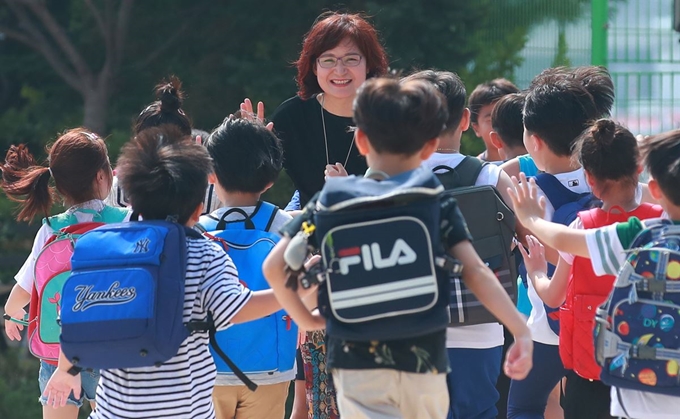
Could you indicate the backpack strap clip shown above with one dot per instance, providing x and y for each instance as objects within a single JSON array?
[{"x": 642, "y": 352}]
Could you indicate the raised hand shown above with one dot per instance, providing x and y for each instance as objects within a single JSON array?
[
  {"x": 534, "y": 259},
  {"x": 248, "y": 113},
  {"x": 525, "y": 199},
  {"x": 334, "y": 170}
]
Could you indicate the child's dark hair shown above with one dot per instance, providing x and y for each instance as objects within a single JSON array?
[
  {"x": 506, "y": 119},
  {"x": 74, "y": 161},
  {"x": 399, "y": 118},
  {"x": 246, "y": 156},
  {"x": 164, "y": 173},
  {"x": 661, "y": 156},
  {"x": 608, "y": 151},
  {"x": 453, "y": 89},
  {"x": 595, "y": 79},
  {"x": 488, "y": 93},
  {"x": 167, "y": 109},
  {"x": 558, "y": 112}
]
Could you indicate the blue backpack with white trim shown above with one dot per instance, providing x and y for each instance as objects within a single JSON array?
[
  {"x": 567, "y": 205},
  {"x": 123, "y": 304},
  {"x": 637, "y": 331},
  {"x": 264, "y": 345}
]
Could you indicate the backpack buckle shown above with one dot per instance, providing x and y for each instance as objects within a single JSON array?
[
  {"x": 655, "y": 286},
  {"x": 643, "y": 352},
  {"x": 449, "y": 264}
]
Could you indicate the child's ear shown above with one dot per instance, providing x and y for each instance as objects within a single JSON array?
[
  {"x": 589, "y": 179},
  {"x": 464, "y": 124},
  {"x": 496, "y": 140},
  {"x": 196, "y": 214},
  {"x": 266, "y": 188},
  {"x": 212, "y": 178},
  {"x": 475, "y": 128},
  {"x": 361, "y": 140},
  {"x": 655, "y": 189}
]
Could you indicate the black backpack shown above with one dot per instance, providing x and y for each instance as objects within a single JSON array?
[{"x": 492, "y": 226}]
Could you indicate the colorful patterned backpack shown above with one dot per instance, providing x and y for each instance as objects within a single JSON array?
[
  {"x": 52, "y": 269},
  {"x": 637, "y": 334}
]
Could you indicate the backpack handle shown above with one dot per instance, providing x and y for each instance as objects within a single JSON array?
[{"x": 222, "y": 223}]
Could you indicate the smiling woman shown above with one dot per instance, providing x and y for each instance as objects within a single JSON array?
[{"x": 338, "y": 54}]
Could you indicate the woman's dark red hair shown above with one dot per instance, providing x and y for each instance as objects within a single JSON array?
[{"x": 327, "y": 33}]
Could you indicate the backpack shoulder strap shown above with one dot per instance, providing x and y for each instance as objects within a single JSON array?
[
  {"x": 59, "y": 221},
  {"x": 465, "y": 174},
  {"x": 110, "y": 215},
  {"x": 557, "y": 194},
  {"x": 264, "y": 215},
  {"x": 590, "y": 218}
]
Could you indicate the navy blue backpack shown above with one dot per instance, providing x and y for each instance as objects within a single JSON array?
[
  {"x": 567, "y": 205},
  {"x": 123, "y": 303},
  {"x": 264, "y": 345},
  {"x": 383, "y": 261}
]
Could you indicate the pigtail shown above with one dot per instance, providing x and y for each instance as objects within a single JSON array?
[{"x": 24, "y": 181}]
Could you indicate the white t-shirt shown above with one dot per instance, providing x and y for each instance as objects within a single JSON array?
[
  {"x": 182, "y": 386},
  {"x": 479, "y": 336},
  {"x": 117, "y": 198},
  {"x": 607, "y": 256},
  {"x": 25, "y": 276},
  {"x": 538, "y": 320},
  {"x": 280, "y": 219}
]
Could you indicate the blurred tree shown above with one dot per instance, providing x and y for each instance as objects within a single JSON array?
[{"x": 38, "y": 27}]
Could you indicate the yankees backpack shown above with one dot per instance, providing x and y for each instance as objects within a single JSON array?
[
  {"x": 637, "y": 332},
  {"x": 567, "y": 205},
  {"x": 264, "y": 345},
  {"x": 123, "y": 303},
  {"x": 492, "y": 226},
  {"x": 384, "y": 272},
  {"x": 52, "y": 268}
]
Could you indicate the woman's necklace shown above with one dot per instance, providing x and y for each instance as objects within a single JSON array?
[{"x": 325, "y": 138}]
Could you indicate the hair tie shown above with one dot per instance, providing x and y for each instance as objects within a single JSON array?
[{"x": 49, "y": 170}]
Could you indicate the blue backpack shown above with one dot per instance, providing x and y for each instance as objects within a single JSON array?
[
  {"x": 384, "y": 270},
  {"x": 264, "y": 345},
  {"x": 567, "y": 205},
  {"x": 637, "y": 332},
  {"x": 124, "y": 300}
]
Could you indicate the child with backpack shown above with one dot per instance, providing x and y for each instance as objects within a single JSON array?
[
  {"x": 609, "y": 155},
  {"x": 247, "y": 158},
  {"x": 79, "y": 166},
  {"x": 555, "y": 114},
  {"x": 165, "y": 174},
  {"x": 474, "y": 346},
  {"x": 386, "y": 329},
  {"x": 166, "y": 109},
  {"x": 635, "y": 334}
]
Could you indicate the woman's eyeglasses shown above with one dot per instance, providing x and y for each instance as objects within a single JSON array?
[{"x": 349, "y": 60}]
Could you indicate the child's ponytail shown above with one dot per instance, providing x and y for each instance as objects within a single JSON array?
[
  {"x": 24, "y": 181},
  {"x": 167, "y": 109}
]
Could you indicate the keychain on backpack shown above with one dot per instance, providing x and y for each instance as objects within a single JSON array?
[{"x": 295, "y": 256}]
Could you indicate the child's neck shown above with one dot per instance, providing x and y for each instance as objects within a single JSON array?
[
  {"x": 491, "y": 154},
  {"x": 393, "y": 164},
  {"x": 513, "y": 152},
  {"x": 619, "y": 194},
  {"x": 555, "y": 165},
  {"x": 238, "y": 199},
  {"x": 449, "y": 142},
  {"x": 336, "y": 106}
]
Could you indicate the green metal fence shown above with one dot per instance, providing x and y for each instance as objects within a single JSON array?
[
  {"x": 644, "y": 58},
  {"x": 634, "y": 39}
]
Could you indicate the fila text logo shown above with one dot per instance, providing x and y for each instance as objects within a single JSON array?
[{"x": 371, "y": 256}]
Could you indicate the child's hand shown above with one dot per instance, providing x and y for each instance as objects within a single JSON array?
[
  {"x": 14, "y": 329},
  {"x": 59, "y": 387},
  {"x": 525, "y": 199},
  {"x": 518, "y": 361},
  {"x": 534, "y": 260},
  {"x": 335, "y": 170}
]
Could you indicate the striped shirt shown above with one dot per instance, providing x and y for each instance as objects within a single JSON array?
[{"x": 181, "y": 387}]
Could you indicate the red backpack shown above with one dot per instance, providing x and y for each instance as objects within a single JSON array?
[{"x": 586, "y": 292}]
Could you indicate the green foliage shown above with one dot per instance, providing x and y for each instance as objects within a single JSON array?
[{"x": 19, "y": 385}]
